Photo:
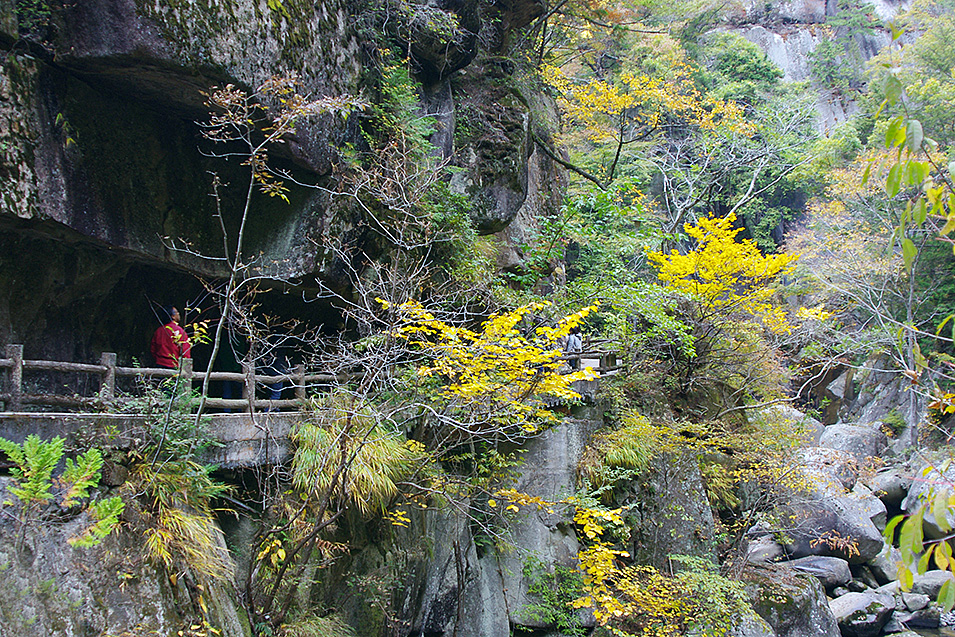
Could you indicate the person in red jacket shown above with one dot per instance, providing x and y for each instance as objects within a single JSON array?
[{"x": 170, "y": 342}]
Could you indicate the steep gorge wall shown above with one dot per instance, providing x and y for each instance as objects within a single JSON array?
[
  {"x": 102, "y": 166},
  {"x": 789, "y": 32},
  {"x": 100, "y": 152}
]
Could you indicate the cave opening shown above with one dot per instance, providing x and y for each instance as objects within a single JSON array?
[{"x": 125, "y": 224}]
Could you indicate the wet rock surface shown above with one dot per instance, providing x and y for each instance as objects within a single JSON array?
[{"x": 862, "y": 614}]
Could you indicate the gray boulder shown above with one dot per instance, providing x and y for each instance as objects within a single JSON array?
[
  {"x": 928, "y": 617},
  {"x": 839, "y": 467},
  {"x": 548, "y": 471},
  {"x": 763, "y": 550},
  {"x": 862, "y": 573},
  {"x": 862, "y": 614},
  {"x": 752, "y": 626},
  {"x": 672, "y": 514},
  {"x": 793, "y": 604},
  {"x": 872, "y": 505},
  {"x": 830, "y": 571},
  {"x": 895, "y": 627},
  {"x": 915, "y": 601},
  {"x": 931, "y": 582},
  {"x": 861, "y": 442},
  {"x": 831, "y": 513},
  {"x": 884, "y": 566},
  {"x": 892, "y": 589},
  {"x": 809, "y": 428},
  {"x": 890, "y": 486}
]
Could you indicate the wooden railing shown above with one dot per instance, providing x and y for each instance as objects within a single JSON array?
[
  {"x": 108, "y": 371},
  {"x": 14, "y": 397}
]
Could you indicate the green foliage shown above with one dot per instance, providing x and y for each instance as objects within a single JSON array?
[
  {"x": 837, "y": 148},
  {"x": 106, "y": 514},
  {"x": 278, "y": 7},
  {"x": 34, "y": 463},
  {"x": 553, "y": 587},
  {"x": 738, "y": 69},
  {"x": 894, "y": 421},
  {"x": 832, "y": 67},
  {"x": 34, "y": 485},
  {"x": 396, "y": 114},
  {"x": 720, "y": 482},
  {"x": 837, "y": 60},
  {"x": 402, "y": 183},
  {"x": 170, "y": 428},
  {"x": 81, "y": 476},
  {"x": 351, "y": 451},
  {"x": 716, "y": 603},
  {"x": 328, "y": 626},
  {"x": 169, "y": 487},
  {"x": 623, "y": 452},
  {"x": 743, "y": 61},
  {"x": 603, "y": 235},
  {"x": 33, "y": 16}
]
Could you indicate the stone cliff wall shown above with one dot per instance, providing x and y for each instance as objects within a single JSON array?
[
  {"x": 100, "y": 152},
  {"x": 789, "y": 32}
]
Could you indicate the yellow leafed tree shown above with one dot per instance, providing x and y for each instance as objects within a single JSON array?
[
  {"x": 727, "y": 275},
  {"x": 496, "y": 373}
]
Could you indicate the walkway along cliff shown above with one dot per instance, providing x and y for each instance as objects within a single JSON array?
[{"x": 381, "y": 232}]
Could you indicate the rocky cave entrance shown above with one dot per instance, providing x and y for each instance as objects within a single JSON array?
[
  {"x": 67, "y": 299},
  {"x": 122, "y": 173}
]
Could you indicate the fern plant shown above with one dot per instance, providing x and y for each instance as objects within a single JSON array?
[
  {"x": 38, "y": 494},
  {"x": 32, "y": 474}
]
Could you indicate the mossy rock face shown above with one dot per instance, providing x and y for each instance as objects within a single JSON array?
[
  {"x": 167, "y": 52},
  {"x": 49, "y": 588},
  {"x": 444, "y": 36},
  {"x": 492, "y": 142},
  {"x": 671, "y": 515},
  {"x": 19, "y": 136},
  {"x": 495, "y": 158},
  {"x": 794, "y": 605}
]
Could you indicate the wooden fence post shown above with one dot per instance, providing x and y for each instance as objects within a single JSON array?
[
  {"x": 107, "y": 385},
  {"x": 248, "y": 387},
  {"x": 15, "y": 354},
  {"x": 300, "y": 382},
  {"x": 185, "y": 371}
]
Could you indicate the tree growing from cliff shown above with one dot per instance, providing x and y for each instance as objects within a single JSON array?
[
  {"x": 614, "y": 115},
  {"x": 255, "y": 123},
  {"x": 430, "y": 392},
  {"x": 733, "y": 286},
  {"x": 726, "y": 275}
]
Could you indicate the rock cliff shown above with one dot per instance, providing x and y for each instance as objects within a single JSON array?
[{"x": 100, "y": 149}]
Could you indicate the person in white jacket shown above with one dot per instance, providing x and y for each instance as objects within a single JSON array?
[{"x": 574, "y": 344}]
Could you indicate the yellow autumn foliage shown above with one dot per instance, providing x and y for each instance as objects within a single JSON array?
[
  {"x": 643, "y": 101},
  {"x": 725, "y": 274},
  {"x": 496, "y": 370}
]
